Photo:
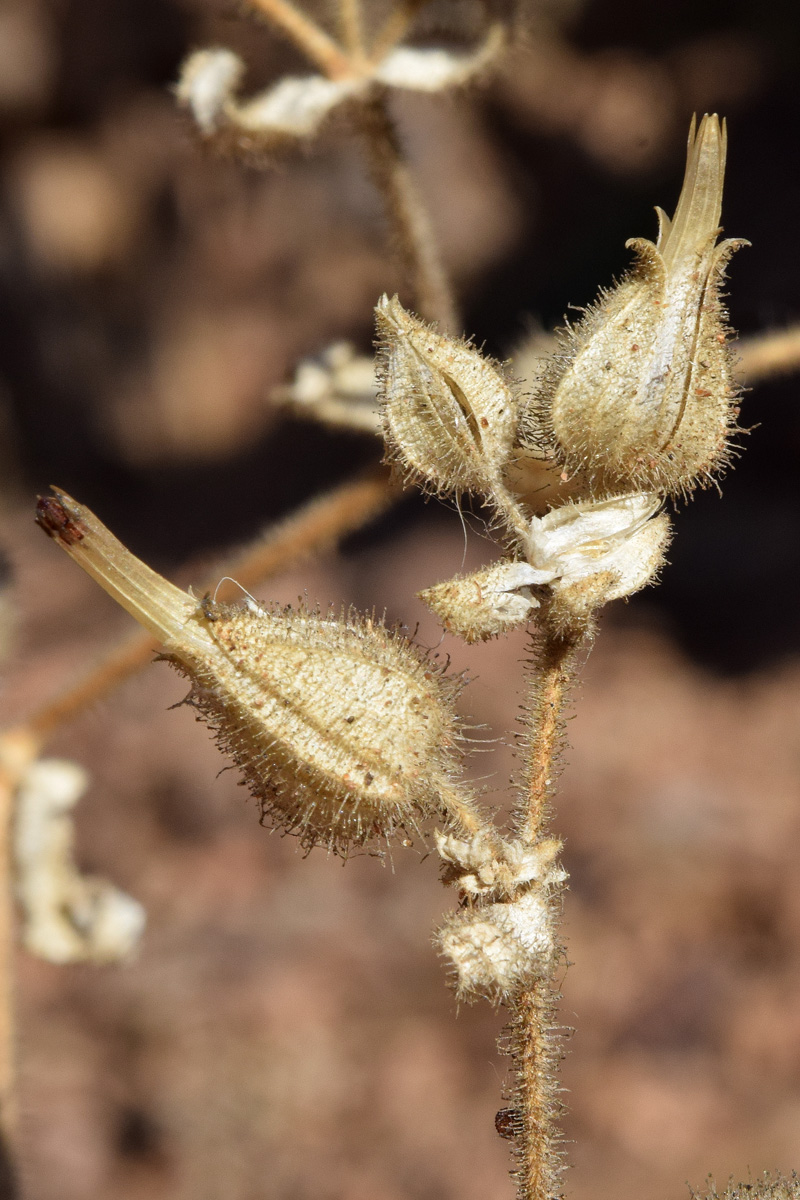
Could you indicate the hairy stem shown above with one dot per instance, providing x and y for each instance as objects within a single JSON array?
[
  {"x": 408, "y": 219},
  {"x": 318, "y": 525},
  {"x": 552, "y": 677},
  {"x": 314, "y": 42},
  {"x": 533, "y": 1037},
  {"x": 536, "y": 1050}
]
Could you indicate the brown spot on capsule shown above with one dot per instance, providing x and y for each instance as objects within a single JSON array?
[{"x": 53, "y": 518}]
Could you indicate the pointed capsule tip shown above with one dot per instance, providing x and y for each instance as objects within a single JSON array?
[{"x": 699, "y": 208}]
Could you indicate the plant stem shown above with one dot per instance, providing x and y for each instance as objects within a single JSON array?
[
  {"x": 535, "y": 1047},
  {"x": 318, "y": 525},
  {"x": 314, "y": 42},
  {"x": 768, "y": 354},
  {"x": 395, "y": 27},
  {"x": 533, "y": 1038},
  {"x": 351, "y": 24},
  {"x": 552, "y": 678},
  {"x": 17, "y": 751},
  {"x": 408, "y": 219}
]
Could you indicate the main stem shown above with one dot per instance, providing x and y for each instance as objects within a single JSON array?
[
  {"x": 408, "y": 219},
  {"x": 533, "y": 1037}
]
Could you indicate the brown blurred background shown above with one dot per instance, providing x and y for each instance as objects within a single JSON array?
[{"x": 285, "y": 1030}]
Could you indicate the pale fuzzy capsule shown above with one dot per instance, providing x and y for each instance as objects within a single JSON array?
[
  {"x": 344, "y": 731},
  {"x": 486, "y": 603},
  {"x": 448, "y": 413},
  {"x": 498, "y": 950},
  {"x": 641, "y": 393}
]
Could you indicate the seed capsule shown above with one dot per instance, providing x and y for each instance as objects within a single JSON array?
[
  {"x": 486, "y": 603},
  {"x": 343, "y": 730},
  {"x": 641, "y": 394},
  {"x": 449, "y": 415}
]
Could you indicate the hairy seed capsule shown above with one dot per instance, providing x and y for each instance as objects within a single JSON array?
[
  {"x": 344, "y": 731},
  {"x": 449, "y": 415},
  {"x": 641, "y": 394},
  {"x": 486, "y": 603}
]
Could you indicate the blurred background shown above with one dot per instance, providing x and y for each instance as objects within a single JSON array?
[{"x": 285, "y": 1030}]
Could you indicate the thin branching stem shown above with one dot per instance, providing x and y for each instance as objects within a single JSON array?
[
  {"x": 395, "y": 27},
  {"x": 317, "y": 526},
  {"x": 351, "y": 25},
  {"x": 408, "y": 219},
  {"x": 309, "y": 37}
]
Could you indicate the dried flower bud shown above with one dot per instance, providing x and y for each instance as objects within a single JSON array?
[
  {"x": 343, "y": 730},
  {"x": 486, "y": 603},
  {"x": 486, "y": 865},
  {"x": 497, "y": 950},
  {"x": 641, "y": 395},
  {"x": 449, "y": 415},
  {"x": 338, "y": 388},
  {"x": 67, "y": 917},
  {"x": 605, "y": 549}
]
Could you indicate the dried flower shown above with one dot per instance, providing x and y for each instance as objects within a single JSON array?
[
  {"x": 344, "y": 731},
  {"x": 67, "y": 917},
  {"x": 641, "y": 395},
  {"x": 497, "y": 950},
  {"x": 337, "y": 388},
  {"x": 296, "y": 107},
  {"x": 487, "y": 865}
]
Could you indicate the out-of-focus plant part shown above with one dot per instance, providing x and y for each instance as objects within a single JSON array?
[
  {"x": 356, "y": 75},
  {"x": 67, "y": 917},
  {"x": 337, "y": 388},
  {"x": 296, "y": 107}
]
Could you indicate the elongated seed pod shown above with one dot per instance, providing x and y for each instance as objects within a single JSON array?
[{"x": 344, "y": 731}]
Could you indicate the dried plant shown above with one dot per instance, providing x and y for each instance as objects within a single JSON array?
[{"x": 345, "y": 732}]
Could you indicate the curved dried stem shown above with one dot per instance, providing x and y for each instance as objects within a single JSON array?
[
  {"x": 408, "y": 219},
  {"x": 767, "y": 354},
  {"x": 318, "y": 525}
]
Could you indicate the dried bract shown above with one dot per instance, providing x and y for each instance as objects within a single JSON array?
[
  {"x": 620, "y": 542},
  {"x": 344, "y": 731},
  {"x": 67, "y": 917},
  {"x": 641, "y": 394},
  {"x": 449, "y": 415},
  {"x": 487, "y": 865},
  {"x": 486, "y": 603},
  {"x": 497, "y": 950},
  {"x": 296, "y": 106}
]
